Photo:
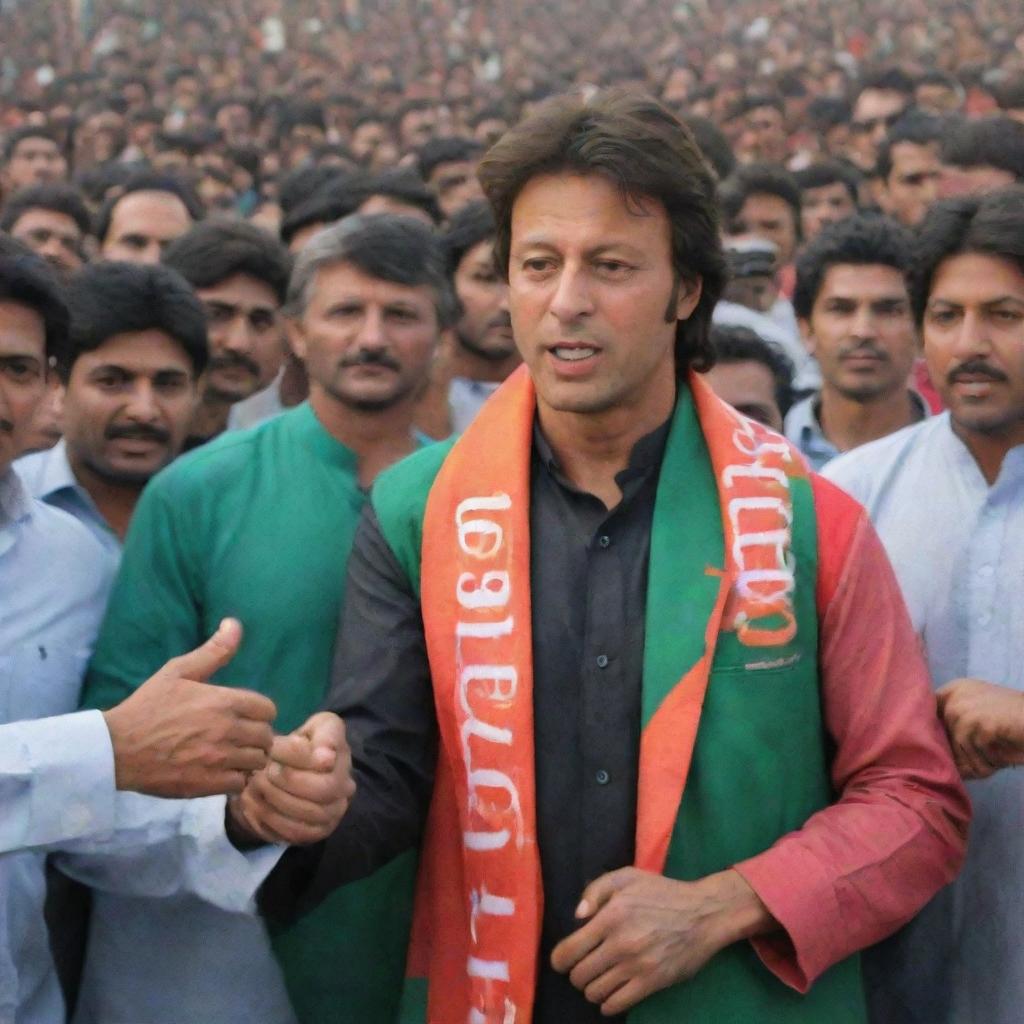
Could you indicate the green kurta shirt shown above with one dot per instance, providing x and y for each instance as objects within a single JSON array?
[{"x": 258, "y": 525}]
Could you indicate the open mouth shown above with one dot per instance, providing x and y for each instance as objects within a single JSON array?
[{"x": 574, "y": 353}]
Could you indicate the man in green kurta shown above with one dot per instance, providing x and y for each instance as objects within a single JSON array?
[{"x": 258, "y": 525}]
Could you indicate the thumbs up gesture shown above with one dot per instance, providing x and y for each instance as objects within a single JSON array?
[{"x": 180, "y": 736}]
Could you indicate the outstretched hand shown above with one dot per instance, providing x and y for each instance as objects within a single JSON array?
[{"x": 178, "y": 735}]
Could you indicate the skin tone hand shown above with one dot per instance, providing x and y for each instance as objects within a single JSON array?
[
  {"x": 178, "y": 735},
  {"x": 305, "y": 790},
  {"x": 985, "y": 724},
  {"x": 644, "y": 932}
]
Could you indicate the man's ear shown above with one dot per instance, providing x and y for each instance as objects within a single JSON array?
[
  {"x": 806, "y": 334},
  {"x": 690, "y": 290},
  {"x": 296, "y": 336}
]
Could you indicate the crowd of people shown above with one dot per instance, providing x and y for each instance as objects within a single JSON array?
[{"x": 506, "y": 512}]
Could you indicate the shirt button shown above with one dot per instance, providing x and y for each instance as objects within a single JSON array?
[
  {"x": 984, "y": 618},
  {"x": 986, "y": 571},
  {"x": 602, "y": 661},
  {"x": 604, "y": 540},
  {"x": 602, "y": 777}
]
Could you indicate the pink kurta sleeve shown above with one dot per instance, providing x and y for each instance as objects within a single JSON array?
[{"x": 863, "y": 866}]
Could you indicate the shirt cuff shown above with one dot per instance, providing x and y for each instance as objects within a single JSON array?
[
  {"x": 218, "y": 872},
  {"x": 70, "y": 762},
  {"x": 807, "y": 910}
]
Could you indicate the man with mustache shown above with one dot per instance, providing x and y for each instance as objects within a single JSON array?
[
  {"x": 484, "y": 352},
  {"x": 240, "y": 274},
  {"x": 261, "y": 522},
  {"x": 947, "y": 499},
  {"x": 853, "y": 306},
  {"x": 138, "y": 347}
]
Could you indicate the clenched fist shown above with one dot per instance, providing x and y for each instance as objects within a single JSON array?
[
  {"x": 178, "y": 735},
  {"x": 304, "y": 792},
  {"x": 985, "y": 724}
]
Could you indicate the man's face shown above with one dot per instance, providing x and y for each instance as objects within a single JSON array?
[
  {"x": 22, "y": 376},
  {"x": 47, "y": 426},
  {"x": 749, "y": 387},
  {"x": 974, "y": 343},
  {"x": 861, "y": 330},
  {"x": 367, "y": 343},
  {"x": 934, "y": 98},
  {"x": 246, "y": 336},
  {"x": 128, "y": 405},
  {"x": 366, "y": 138},
  {"x": 485, "y": 328},
  {"x": 35, "y": 160},
  {"x": 771, "y": 218},
  {"x": 143, "y": 225},
  {"x": 417, "y": 128},
  {"x": 455, "y": 184},
  {"x": 875, "y": 111},
  {"x": 826, "y": 204},
  {"x": 763, "y": 135},
  {"x": 593, "y": 294},
  {"x": 53, "y": 235},
  {"x": 913, "y": 182}
]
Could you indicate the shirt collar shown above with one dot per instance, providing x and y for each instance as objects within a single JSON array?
[
  {"x": 15, "y": 507},
  {"x": 56, "y": 473},
  {"x": 646, "y": 454}
]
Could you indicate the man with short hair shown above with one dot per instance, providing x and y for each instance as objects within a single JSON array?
[
  {"x": 137, "y": 348},
  {"x": 828, "y": 194},
  {"x": 260, "y": 522},
  {"x": 940, "y": 93},
  {"x": 882, "y": 99},
  {"x": 240, "y": 274},
  {"x": 53, "y": 221},
  {"x": 763, "y": 134},
  {"x": 588, "y": 635},
  {"x": 754, "y": 376},
  {"x": 31, "y": 156},
  {"x": 448, "y": 166},
  {"x": 981, "y": 155},
  {"x": 853, "y": 305},
  {"x": 908, "y": 170},
  {"x": 138, "y": 223},
  {"x": 947, "y": 498},
  {"x": 764, "y": 200},
  {"x": 485, "y": 352}
]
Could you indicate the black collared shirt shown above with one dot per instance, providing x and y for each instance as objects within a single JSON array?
[{"x": 589, "y": 594}]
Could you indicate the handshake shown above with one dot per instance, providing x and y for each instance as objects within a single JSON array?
[{"x": 180, "y": 736}]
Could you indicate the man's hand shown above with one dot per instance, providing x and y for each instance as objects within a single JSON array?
[
  {"x": 179, "y": 736},
  {"x": 302, "y": 795},
  {"x": 645, "y": 932},
  {"x": 985, "y": 724}
]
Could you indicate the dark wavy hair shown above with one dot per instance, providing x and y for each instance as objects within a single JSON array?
[{"x": 634, "y": 142}]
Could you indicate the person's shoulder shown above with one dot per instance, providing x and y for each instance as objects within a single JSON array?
[
  {"x": 862, "y": 471},
  {"x": 216, "y": 461},
  {"x": 69, "y": 547},
  {"x": 409, "y": 480}
]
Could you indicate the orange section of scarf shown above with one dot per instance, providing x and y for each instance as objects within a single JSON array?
[{"x": 481, "y": 898}]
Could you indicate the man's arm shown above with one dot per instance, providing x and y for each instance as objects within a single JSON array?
[
  {"x": 897, "y": 833},
  {"x": 381, "y": 688},
  {"x": 175, "y": 736}
]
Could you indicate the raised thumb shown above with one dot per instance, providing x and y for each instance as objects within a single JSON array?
[{"x": 201, "y": 663}]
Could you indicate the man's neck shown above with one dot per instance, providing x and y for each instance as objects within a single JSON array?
[
  {"x": 209, "y": 417},
  {"x": 377, "y": 438},
  {"x": 848, "y": 423},
  {"x": 989, "y": 450},
  {"x": 593, "y": 448},
  {"x": 115, "y": 500},
  {"x": 473, "y": 366}
]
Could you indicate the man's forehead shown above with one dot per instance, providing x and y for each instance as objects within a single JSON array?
[
  {"x": 137, "y": 352},
  {"x": 40, "y": 216},
  {"x": 863, "y": 281},
  {"x": 35, "y": 144},
  {"x": 243, "y": 291},
  {"x": 22, "y": 330},
  {"x": 339, "y": 281}
]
